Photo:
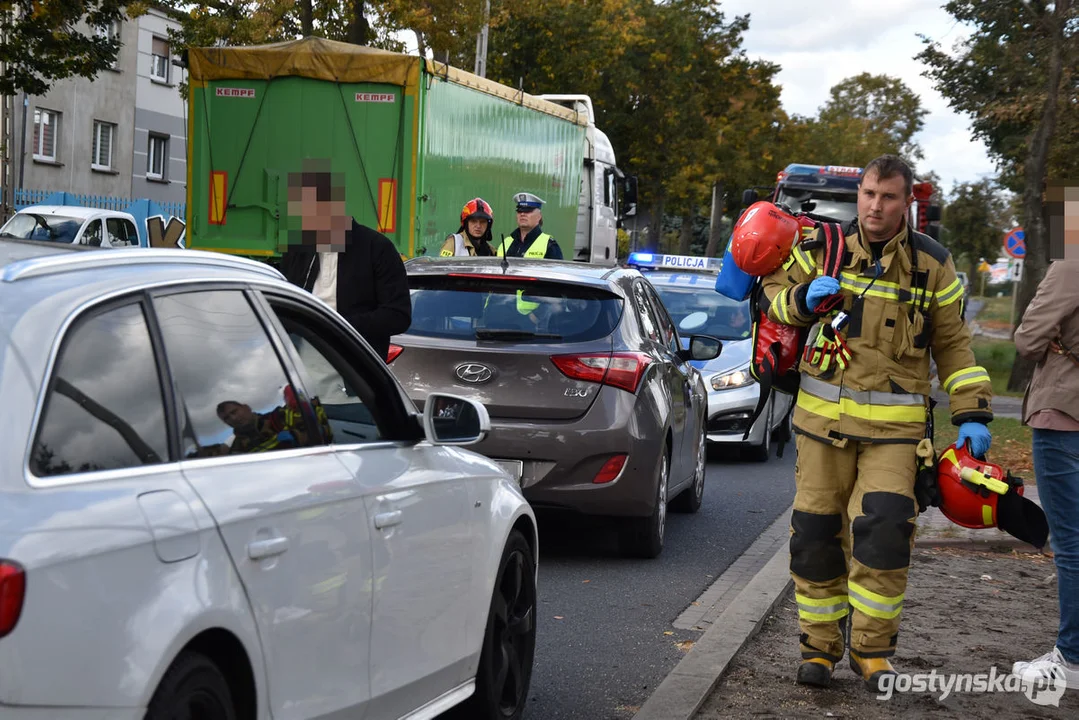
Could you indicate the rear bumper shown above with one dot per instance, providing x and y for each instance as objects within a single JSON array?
[{"x": 561, "y": 459}]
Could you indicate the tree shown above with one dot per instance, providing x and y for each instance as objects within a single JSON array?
[
  {"x": 1016, "y": 77},
  {"x": 974, "y": 215},
  {"x": 876, "y": 107},
  {"x": 447, "y": 27},
  {"x": 48, "y": 40}
]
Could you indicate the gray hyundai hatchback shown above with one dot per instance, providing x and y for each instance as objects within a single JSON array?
[{"x": 594, "y": 405}]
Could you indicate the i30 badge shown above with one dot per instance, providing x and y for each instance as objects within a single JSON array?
[{"x": 474, "y": 373}]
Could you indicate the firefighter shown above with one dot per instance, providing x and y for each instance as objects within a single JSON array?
[
  {"x": 529, "y": 240},
  {"x": 474, "y": 236},
  {"x": 860, "y": 415}
]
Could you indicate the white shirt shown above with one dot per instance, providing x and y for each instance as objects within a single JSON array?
[{"x": 325, "y": 288}]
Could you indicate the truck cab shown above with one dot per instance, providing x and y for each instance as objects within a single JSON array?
[{"x": 598, "y": 212}]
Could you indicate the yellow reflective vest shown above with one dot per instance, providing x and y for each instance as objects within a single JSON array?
[{"x": 913, "y": 308}]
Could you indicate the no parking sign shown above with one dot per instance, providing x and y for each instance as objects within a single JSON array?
[{"x": 1015, "y": 243}]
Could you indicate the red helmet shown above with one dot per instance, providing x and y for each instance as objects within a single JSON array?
[
  {"x": 476, "y": 208},
  {"x": 763, "y": 238},
  {"x": 979, "y": 494}
]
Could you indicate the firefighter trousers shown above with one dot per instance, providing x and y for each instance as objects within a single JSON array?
[{"x": 852, "y": 532}]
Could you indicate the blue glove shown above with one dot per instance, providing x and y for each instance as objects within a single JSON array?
[
  {"x": 819, "y": 289},
  {"x": 978, "y": 435}
]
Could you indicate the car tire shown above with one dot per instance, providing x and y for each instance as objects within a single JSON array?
[
  {"x": 509, "y": 641},
  {"x": 643, "y": 537},
  {"x": 760, "y": 452},
  {"x": 690, "y": 499},
  {"x": 194, "y": 687}
]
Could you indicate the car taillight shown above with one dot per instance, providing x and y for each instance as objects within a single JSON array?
[
  {"x": 620, "y": 370},
  {"x": 12, "y": 592},
  {"x": 394, "y": 351},
  {"x": 610, "y": 470}
]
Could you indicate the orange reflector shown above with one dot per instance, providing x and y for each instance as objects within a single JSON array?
[
  {"x": 218, "y": 196},
  {"x": 610, "y": 470},
  {"x": 387, "y": 205}
]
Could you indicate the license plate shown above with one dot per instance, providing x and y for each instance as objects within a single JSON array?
[{"x": 514, "y": 467}]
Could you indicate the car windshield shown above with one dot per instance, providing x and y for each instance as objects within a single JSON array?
[
  {"x": 841, "y": 206},
  {"x": 706, "y": 312},
  {"x": 510, "y": 309},
  {"x": 35, "y": 226}
]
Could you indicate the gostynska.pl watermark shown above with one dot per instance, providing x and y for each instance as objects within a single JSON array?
[{"x": 1046, "y": 690}]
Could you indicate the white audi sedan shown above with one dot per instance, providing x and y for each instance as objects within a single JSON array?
[{"x": 217, "y": 503}]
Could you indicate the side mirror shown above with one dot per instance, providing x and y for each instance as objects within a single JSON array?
[
  {"x": 932, "y": 213},
  {"x": 749, "y": 197},
  {"x": 454, "y": 420},
  {"x": 702, "y": 347},
  {"x": 629, "y": 195}
]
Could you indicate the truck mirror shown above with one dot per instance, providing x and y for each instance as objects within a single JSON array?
[
  {"x": 933, "y": 230},
  {"x": 749, "y": 197},
  {"x": 629, "y": 196},
  {"x": 932, "y": 213}
]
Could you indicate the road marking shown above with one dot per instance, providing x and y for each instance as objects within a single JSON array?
[{"x": 702, "y": 613}]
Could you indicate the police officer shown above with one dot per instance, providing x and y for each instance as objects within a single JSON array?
[
  {"x": 529, "y": 240},
  {"x": 858, "y": 423}
]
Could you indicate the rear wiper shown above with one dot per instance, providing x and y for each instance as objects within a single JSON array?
[{"x": 514, "y": 335}]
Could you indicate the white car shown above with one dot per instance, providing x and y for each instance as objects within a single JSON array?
[
  {"x": 216, "y": 502},
  {"x": 73, "y": 225}
]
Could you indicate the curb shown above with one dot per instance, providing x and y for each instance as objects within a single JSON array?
[{"x": 688, "y": 686}]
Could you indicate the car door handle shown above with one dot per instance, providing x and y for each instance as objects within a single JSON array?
[
  {"x": 388, "y": 519},
  {"x": 267, "y": 548}
]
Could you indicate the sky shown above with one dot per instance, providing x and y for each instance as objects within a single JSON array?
[{"x": 818, "y": 49}]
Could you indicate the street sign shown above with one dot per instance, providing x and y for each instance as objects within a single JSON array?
[
  {"x": 1015, "y": 243},
  {"x": 984, "y": 267},
  {"x": 1015, "y": 270}
]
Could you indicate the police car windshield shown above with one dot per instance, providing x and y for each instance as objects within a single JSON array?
[
  {"x": 699, "y": 310},
  {"x": 841, "y": 206}
]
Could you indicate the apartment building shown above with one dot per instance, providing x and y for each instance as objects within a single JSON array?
[{"x": 121, "y": 134}]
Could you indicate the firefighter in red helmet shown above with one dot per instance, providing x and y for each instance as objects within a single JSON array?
[{"x": 473, "y": 238}]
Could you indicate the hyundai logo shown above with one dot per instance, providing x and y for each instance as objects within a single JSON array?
[{"x": 474, "y": 373}]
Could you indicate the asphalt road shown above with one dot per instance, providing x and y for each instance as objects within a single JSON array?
[{"x": 601, "y": 647}]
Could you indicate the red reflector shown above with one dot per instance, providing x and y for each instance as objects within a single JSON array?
[
  {"x": 492, "y": 276},
  {"x": 610, "y": 470},
  {"x": 12, "y": 592},
  {"x": 395, "y": 350}
]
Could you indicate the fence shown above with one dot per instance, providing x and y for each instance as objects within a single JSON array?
[{"x": 25, "y": 197}]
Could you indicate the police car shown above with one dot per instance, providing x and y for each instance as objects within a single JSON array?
[{"x": 686, "y": 285}]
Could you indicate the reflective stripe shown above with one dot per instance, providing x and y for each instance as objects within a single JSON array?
[
  {"x": 805, "y": 259},
  {"x": 872, "y": 604},
  {"x": 987, "y": 516},
  {"x": 780, "y": 304},
  {"x": 950, "y": 294},
  {"x": 964, "y": 377},
  {"x": 871, "y": 413},
  {"x": 788, "y": 262},
  {"x": 822, "y": 609},
  {"x": 833, "y": 393}
]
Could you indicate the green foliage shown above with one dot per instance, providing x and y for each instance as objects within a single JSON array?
[
  {"x": 976, "y": 220},
  {"x": 48, "y": 40}
]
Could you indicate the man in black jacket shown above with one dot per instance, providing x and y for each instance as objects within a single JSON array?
[{"x": 351, "y": 267}]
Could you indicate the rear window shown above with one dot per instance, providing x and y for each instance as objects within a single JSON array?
[{"x": 480, "y": 308}]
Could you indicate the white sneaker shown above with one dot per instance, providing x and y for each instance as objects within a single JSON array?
[{"x": 1050, "y": 665}]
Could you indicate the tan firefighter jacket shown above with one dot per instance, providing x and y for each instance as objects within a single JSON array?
[{"x": 915, "y": 306}]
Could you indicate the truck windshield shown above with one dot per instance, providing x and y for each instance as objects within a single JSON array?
[
  {"x": 841, "y": 206},
  {"x": 56, "y": 228}
]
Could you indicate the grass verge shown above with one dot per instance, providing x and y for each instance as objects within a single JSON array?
[
  {"x": 1011, "y": 446},
  {"x": 996, "y": 312},
  {"x": 997, "y": 357}
]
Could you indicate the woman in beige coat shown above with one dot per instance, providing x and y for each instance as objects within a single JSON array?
[{"x": 1049, "y": 333}]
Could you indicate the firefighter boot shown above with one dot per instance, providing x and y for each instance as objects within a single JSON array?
[
  {"x": 871, "y": 670},
  {"x": 816, "y": 672}
]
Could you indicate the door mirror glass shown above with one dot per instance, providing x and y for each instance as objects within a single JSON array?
[
  {"x": 932, "y": 213},
  {"x": 749, "y": 197},
  {"x": 629, "y": 196},
  {"x": 704, "y": 347},
  {"x": 453, "y": 420}
]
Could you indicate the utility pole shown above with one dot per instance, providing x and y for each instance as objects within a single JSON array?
[
  {"x": 7, "y": 134},
  {"x": 481, "y": 43}
]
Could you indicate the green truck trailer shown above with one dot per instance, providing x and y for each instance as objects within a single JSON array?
[{"x": 411, "y": 140}]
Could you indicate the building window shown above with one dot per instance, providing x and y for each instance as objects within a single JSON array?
[
  {"x": 103, "y": 134},
  {"x": 46, "y": 123},
  {"x": 157, "y": 157},
  {"x": 159, "y": 70},
  {"x": 112, "y": 32}
]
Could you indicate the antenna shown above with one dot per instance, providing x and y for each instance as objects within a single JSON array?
[{"x": 505, "y": 262}]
